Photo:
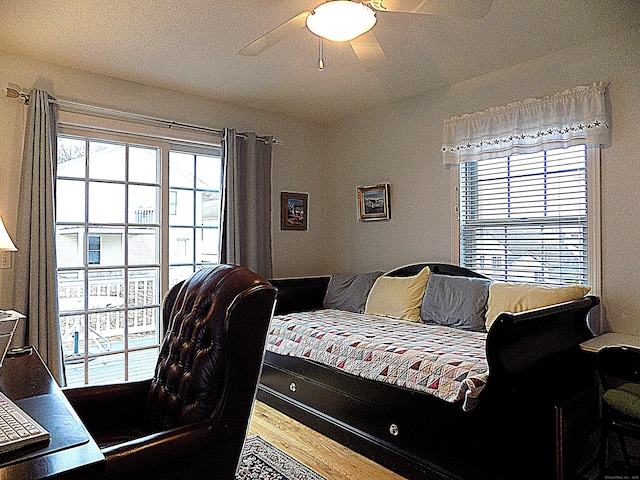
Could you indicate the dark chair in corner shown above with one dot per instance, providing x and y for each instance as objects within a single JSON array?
[
  {"x": 191, "y": 419},
  {"x": 619, "y": 370}
]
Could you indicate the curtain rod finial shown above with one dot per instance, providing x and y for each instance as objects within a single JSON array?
[{"x": 12, "y": 92}]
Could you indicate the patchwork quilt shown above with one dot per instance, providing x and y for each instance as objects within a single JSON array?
[{"x": 442, "y": 361}]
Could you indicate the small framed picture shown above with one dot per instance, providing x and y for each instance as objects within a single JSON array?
[
  {"x": 293, "y": 211},
  {"x": 373, "y": 202}
]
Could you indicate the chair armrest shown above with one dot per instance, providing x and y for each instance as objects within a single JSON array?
[
  {"x": 102, "y": 407},
  {"x": 146, "y": 454}
]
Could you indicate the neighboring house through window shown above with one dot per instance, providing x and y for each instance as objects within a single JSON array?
[{"x": 93, "y": 250}]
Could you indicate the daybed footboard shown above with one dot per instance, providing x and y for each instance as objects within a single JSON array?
[{"x": 538, "y": 342}]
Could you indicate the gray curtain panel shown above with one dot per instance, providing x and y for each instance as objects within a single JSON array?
[
  {"x": 35, "y": 283},
  {"x": 245, "y": 220}
]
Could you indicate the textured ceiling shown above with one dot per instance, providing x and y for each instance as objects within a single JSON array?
[{"x": 192, "y": 46}]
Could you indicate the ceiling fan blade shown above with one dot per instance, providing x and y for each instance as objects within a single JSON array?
[
  {"x": 369, "y": 51},
  {"x": 272, "y": 37},
  {"x": 454, "y": 8}
]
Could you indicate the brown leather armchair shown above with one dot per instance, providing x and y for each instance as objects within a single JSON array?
[{"x": 191, "y": 419}]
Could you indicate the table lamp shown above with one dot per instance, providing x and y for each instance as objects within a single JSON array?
[{"x": 6, "y": 245}]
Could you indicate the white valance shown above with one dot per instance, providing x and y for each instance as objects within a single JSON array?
[{"x": 577, "y": 116}]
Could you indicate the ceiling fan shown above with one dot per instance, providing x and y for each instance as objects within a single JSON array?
[{"x": 352, "y": 21}]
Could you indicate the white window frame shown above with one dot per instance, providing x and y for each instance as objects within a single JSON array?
[
  {"x": 594, "y": 248},
  {"x": 124, "y": 131}
]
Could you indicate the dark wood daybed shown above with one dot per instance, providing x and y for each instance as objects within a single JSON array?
[{"x": 535, "y": 364}]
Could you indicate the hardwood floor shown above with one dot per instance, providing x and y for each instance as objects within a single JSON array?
[{"x": 321, "y": 454}]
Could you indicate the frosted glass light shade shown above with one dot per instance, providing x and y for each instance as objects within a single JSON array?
[
  {"x": 341, "y": 20},
  {"x": 6, "y": 245}
]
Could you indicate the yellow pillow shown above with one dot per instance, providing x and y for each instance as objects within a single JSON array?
[
  {"x": 518, "y": 297},
  {"x": 398, "y": 297}
]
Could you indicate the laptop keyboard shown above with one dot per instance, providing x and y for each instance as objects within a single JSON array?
[{"x": 17, "y": 429}]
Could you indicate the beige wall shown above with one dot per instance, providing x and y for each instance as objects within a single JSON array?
[
  {"x": 400, "y": 144},
  {"x": 298, "y": 165}
]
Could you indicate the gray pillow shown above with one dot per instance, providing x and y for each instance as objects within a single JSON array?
[
  {"x": 459, "y": 302},
  {"x": 349, "y": 292}
]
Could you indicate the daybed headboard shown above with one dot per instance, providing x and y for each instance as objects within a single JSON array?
[
  {"x": 307, "y": 293},
  {"x": 438, "y": 268}
]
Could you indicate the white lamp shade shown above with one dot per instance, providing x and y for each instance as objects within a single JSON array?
[
  {"x": 341, "y": 20},
  {"x": 6, "y": 245}
]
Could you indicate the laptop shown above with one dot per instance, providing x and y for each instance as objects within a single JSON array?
[{"x": 17, "y": 428}]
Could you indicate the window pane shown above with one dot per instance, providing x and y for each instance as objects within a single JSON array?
[
  {"x": 71, "y": 291},
  {"x": 69, "y": 246},
  {"x": 207, "y": 245},
  {"x": 181, "y": 167},
  {"x": 143, "y": 165},
  {"x": 143, "y": 204},
  {"x": 72, "y": 331},
  {"x": 106, "y": 289},
  {"x": 178, "y": 273},
  {"x": 111, "y": 247},
  {"x": 108, "y": 369},
  {"x": 106, "y": 203},
  {"x": 71, "y": 157},
  {"x": 208, "y": 172},
  {"x": 106, "y": 161},
  {"x": 208, "y": 208},
  {"x": 142, "y": 364},
  {"x": 70, "y": 201},
  {"x": 184, "y": 208},
  {"x": 180, "y": 245},
  {"x": 144, "y": 245},
  {"x": 143, "y": 287},
  {"x": 144, "y": 327}
]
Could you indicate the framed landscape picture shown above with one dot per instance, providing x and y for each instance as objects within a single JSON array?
[
  {"x": 293, "y": 211},
  {"x": 373, "y": 202}
]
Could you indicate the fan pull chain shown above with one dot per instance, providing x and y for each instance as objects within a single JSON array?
[{"x": 320, "y": 55}]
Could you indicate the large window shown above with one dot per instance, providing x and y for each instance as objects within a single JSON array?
[
  {"x": 526, "y": 217},
  {"x": 134, "y": 216}
]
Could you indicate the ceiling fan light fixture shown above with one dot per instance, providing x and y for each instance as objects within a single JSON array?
[{"x": 341, "y": 20}]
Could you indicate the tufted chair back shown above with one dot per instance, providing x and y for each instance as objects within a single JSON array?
[
  {"x": 190, "y": 420},
  {"x": 212, "y": 349}
]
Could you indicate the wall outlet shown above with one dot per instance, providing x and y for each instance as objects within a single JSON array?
[{"x": 5, "y": 259}]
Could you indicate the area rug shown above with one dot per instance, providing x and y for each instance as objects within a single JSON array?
[{"x": 261, "y": 460}]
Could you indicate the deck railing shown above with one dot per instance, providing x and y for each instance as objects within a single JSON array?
[{"x": 106, "y": 311}]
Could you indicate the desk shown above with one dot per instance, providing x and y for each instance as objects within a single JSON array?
[
  {"x": 610, "y": 340},
  {"x": 71, "y": 453},
  {"x": 579, "y": 419}
]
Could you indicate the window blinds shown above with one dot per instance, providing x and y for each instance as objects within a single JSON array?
[{"x": 524, "y": 217}]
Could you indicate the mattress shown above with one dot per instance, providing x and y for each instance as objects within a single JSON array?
[{"x": 445, "y": 362}]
